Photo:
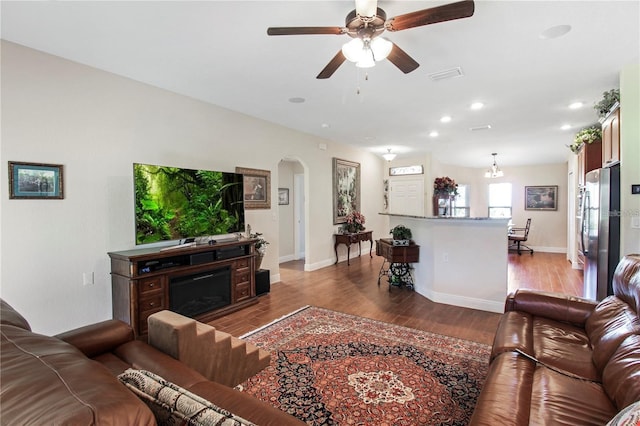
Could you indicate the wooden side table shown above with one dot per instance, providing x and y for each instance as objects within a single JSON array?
[
  {"x": 396, "y": 261},
  {"x": 348, "y": 239}
]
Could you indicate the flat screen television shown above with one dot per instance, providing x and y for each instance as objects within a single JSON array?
[{"x": 173, "y": 203}]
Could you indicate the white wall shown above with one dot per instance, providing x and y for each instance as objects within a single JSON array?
[
  {"x": 97, "y": 124},
  {"x": 630, "y": 158}
]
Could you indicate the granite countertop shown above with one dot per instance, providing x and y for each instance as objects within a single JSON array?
[{"x": 444, "y": 217}]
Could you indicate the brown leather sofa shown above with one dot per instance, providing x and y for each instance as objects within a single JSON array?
[
  {"x": 72, "y": 378},
  {"x": 560, "y": 360}
]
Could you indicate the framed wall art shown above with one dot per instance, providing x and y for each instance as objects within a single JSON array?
[
  {"x": 346, "y": 189},
  {"x": 35, "y": 181},
  {"x": 257, "y": 188},
  {"x": 283, "y": 196},
  {"x": 541, "y": 197}
]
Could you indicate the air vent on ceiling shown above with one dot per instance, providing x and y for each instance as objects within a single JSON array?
[
  {"x": 443, "y": 75},
  {"x": 485, "y": 127}
]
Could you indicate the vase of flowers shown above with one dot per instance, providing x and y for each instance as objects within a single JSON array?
[
  {"x": 445, "y": 190},
  {"x": 261, "y": 247},
  {"x": 354, "y": 222}
]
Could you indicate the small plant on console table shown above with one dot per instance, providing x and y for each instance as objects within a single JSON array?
[
  {"x": 401, "y": 235},
  {"x": 261, "y": 247}
]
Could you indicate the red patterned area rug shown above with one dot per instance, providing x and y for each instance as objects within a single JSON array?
[{"x": 330, "y": 368}]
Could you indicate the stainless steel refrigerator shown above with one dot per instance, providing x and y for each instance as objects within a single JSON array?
[{"x": 600, "y": 239}]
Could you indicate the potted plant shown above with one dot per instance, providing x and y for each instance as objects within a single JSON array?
[
  {"x": 261, "y": 247},
  {"x": 609, "y": 99},
  {"x": 588, "y": 135},
  {"x": 401, "y": 235}
]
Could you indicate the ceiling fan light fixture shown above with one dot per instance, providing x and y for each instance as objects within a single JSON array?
[
  {"x": 494, "y": 171},
  {"x": 381, "y": 47},
  {"x": 353, "y": 49},
  {"x": 366, "y": 60}
]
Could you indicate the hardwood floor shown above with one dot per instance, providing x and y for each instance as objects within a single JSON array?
[
  {"x": 544, "y": 271},
  {"x": 354, "y": 290}
]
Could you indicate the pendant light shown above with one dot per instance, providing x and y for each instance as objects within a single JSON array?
[{"x": 494, "y": 171}]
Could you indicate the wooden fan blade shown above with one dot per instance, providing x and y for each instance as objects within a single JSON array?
[
  {"x": 447, "y": 12},
  {"x": 274, "y": 31},
  {"x": 332, "y": 66},
  {"x": 402, "y": 60}
]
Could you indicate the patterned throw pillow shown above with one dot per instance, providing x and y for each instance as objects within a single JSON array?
[
  {"x": 173, "y": 405},
  {"x": 629, "y": 416}
]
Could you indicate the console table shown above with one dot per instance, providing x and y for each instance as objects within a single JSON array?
[
  {"x": 396, "y": 261},
  {"x": 143, "y": 280},
  {"x": 355, "y": 237}
]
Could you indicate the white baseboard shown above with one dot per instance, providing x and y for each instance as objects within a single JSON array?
[
  {"x": 465, "y": 302},
  {"x": 543, "y": 249},
  {"x": 318, "y": 265},
  {"x": 287, "y": 258}
]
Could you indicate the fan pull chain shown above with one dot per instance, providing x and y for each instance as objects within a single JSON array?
[{"x": 366, "y": 78}]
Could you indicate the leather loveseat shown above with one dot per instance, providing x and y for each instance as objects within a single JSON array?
[
  {"x": 72, "y": 378},
  {"x": 560, "y": 360}
]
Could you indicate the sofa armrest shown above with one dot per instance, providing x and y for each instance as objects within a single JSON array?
[
  {"x": 96, "y": 339},
  {"x": 556, "y": 306}
]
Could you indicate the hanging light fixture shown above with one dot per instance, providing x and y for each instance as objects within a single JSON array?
[
  {"x": 494, "y": 171},
  {"x": 389, "y": 156}
]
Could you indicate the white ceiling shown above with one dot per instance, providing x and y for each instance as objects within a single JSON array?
[{"x": 219, "y": 52}]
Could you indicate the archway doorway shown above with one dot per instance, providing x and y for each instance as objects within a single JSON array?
[{"x": 292, "y": 210}]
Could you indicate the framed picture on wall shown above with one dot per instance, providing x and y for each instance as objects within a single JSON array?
[
  {"x": 257, "y": 188},
  {"x": 541, "y": 197},
  {"x": 283, "y": 196},
  {"x": 346, "y": 189},
  {"x": 35, "y": 181}
]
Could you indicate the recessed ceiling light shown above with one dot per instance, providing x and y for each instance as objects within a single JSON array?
[
  {"x": 477, "y": 105},
  {"x": 555, "y": 32},
  {"x": 297, "y": 100},
  {"x": 576, "y": 105},
  {"x": 433, "y": 134},
  {"x": 565, "y": 127},
  {"x": 445, "y": 119},
  {"x": 325, "y": 125}
]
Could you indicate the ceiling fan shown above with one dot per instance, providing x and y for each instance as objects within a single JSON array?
[{"x": 367, "y": 22}]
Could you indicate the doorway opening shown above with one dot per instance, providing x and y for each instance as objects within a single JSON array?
[{"x": 292, "y": 211}]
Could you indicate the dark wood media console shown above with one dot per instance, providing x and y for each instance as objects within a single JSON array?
[{"x": 141, "y": 279}]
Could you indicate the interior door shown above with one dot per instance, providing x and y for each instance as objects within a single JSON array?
[{"x": 406, "y": 196}]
